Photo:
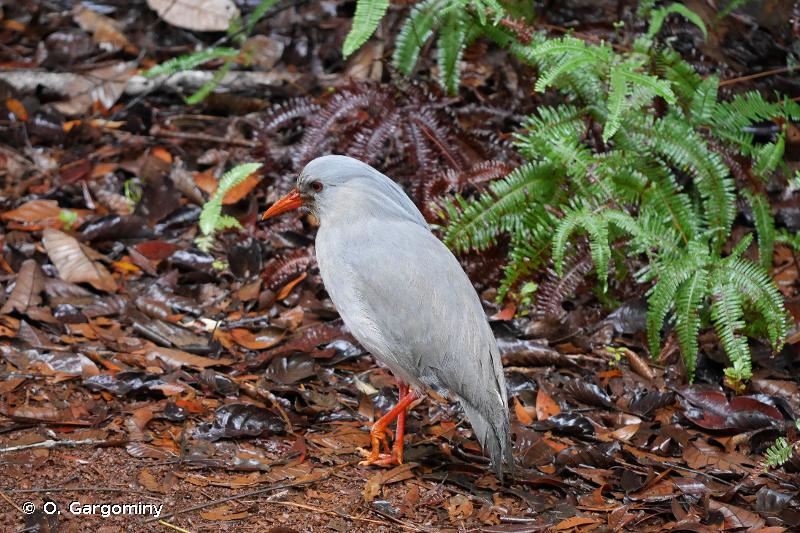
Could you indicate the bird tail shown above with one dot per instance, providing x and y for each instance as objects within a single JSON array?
[{"x": 491, "y": 426}]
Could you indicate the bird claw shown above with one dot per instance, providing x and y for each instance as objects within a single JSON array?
[
  {"x": 374, "y": 457},
  {"x": 383, "y": 459}
]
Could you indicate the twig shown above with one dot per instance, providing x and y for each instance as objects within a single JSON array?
[
  {"x": 780, "y": 70},
  {"x": 74, "y": 489},
  {"x": 157, "y": 131},
  {"x": 172, "y": 526},
  {"x": 10, "y": 501},
  {"x": 53, "y": 443},
  {"x": 211, "y": 503}
]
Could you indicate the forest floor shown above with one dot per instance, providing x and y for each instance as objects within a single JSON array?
[{"x": 222, "y": 389}]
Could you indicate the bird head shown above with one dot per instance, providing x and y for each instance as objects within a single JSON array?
[{"x": 333, "y": 185}]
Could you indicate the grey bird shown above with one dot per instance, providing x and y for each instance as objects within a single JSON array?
[{"x": 405, "y": 298}]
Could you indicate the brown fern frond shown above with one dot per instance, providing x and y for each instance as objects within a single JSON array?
[
  {"x": 319, "y": 133},
  {"x": 282, "y": 115},
  {"x": 281, "y": 270},
  {"x": 439, "y": 137},
  {"x": 554, "y": 289},
  {"x": 370, "y": 145}
]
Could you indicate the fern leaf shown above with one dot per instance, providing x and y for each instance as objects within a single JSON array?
[
  {"x": 211, "y": 218},
  {"x": 688, "y": 302},
  {"x": 190, "y": 61},
  {"x": 768, "y": 156},
  {"x": 476, "y": 224},
  {"x": 416, "y": 31},
  {"x": 704, "y": 100},
  {"x": 651, "y": 83},
  {"x": 658, "y": 16},
  {"x": 662, "y": 295},
  {"x": 368, "y": 15},
  {"x": 258, "y": 13},
  {"x": 753, "y": 282},
  {"x": 765, "y": 227},
  {"x": 449, "y": 48},
  {"x": 616, "y": 100},
  {"x": 728, "y": 318}
]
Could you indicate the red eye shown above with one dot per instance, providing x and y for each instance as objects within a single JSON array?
[{"x": 316, "y": 186}]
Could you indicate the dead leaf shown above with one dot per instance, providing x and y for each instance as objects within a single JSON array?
[
  {"x": 35, "y": 211},
  {"x": 736, "y": 517},
  {"x": 27, "y": 288},
  {"x": 242, "y": 189},
  {"x": 149, "y": 482},
  {"x": 105, "y": 31},
  {"x": 256, "y": 341},
  {"x": 103, "y": 85},
  {"x": 72, "y": 262},
  {"x": 17, "y": 108},
  {"x": 459, "y": 507},
  {"x": 196, "y": 15},
  {"x": 179, "y": 358},
  {"x": 574, "y": 522},
  {"x": 224, "y": 512},
  {"x": 522, "y": 413},
  {"x": 545, "y": 405}
]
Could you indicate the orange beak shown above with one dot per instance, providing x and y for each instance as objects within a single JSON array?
[{"x": 287, "y": 203}]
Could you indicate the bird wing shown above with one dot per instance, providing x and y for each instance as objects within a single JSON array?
[{"x": 407, "y": 300}]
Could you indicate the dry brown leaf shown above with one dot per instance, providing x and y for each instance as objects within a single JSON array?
[
  {"x": 702, "y": 456},
  {"x": 39, "y": 212},
  {"x": 736, "y": 517},
  {"x": 372, "y": 488},
  {"x": 73, "y": 263},
  {"x": 242, "y": 189},
  {"x": 255, "y": 341},
  {"x": 17, "y": 108},
  {"x": 149, "y": 481},
  {"x": 196, "y": 15},
  {"x": 179, "y": 358},
  {"x": 224, "y": 512},
  {"x": 104, "y": 85},
  {"x": 522, "y": 413},
  {"x": 104, "y": 30},
  {"x": 27, "y": 288},
  {"x": 459, "y": 507},
  {"x": 625, "y": 433},
  {"x": 574, "y": 522},
  {"x": 545, "y": 405},
  {"x": 284, "y": 292}
]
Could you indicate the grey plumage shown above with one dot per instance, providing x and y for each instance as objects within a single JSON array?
[{"x": 404, "y": 295}]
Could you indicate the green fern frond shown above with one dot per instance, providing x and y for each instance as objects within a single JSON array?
[
  {"x": 416, "y": 30},
  {"x": 704, "y": 101},
  {"x": 662, "y": 295},
  {"x": 211, "y": 218},
  {"x": 753, "y": 282},
  {"x": 476, "y": 224},
  {"x": 778, "y": 454},
  {"x": 658, "y": 16},
  {"x": 596, "y": 226},
  {"x": 767, "y": 157},
  {"x": 728, "y": 318},
  {"x": 765, "y": 226},
  {"x": 190, "y": 61},
  {"x": 368, "y": 15},
  {"x": 684, "y": 148},
  {"x": 450, "y": 46},
  {"x": 688, "y": 303}
]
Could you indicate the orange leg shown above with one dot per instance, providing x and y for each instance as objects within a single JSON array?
[{"x": 378, "y": 431}]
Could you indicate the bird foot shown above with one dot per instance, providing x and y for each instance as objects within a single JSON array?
[
  {"x": 382, "y": 459},
  {"x": 375, "y": 457}
]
